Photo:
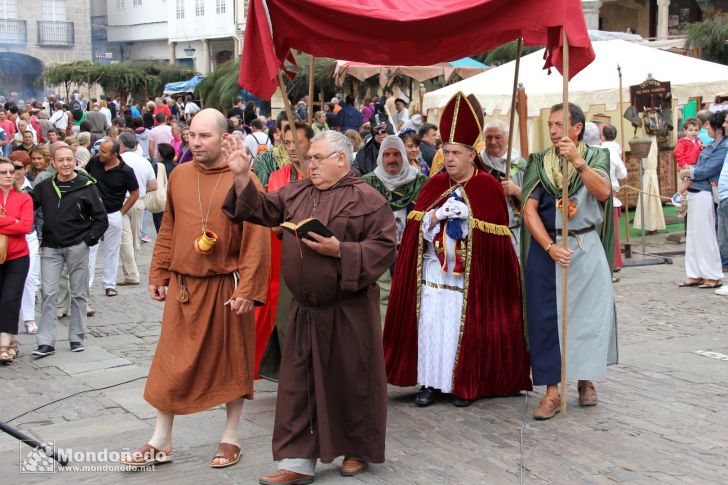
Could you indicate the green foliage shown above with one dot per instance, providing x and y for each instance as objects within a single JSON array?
[
  {"x": 220, "y": 87},
  {"x": 710, "y": 36},
  {"x": 136, "y": 78},
  {"x": 323, "y": 77},
  {"x": 503, "y": 54}
]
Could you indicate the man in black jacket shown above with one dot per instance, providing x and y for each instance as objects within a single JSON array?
[{"x": 74, "y": 220}]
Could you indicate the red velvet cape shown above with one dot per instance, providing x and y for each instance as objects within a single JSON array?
[{"x": 492, "y": 358}]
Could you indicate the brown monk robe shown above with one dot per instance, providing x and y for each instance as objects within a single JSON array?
[
  {"x": 206, "y": 353},
  {"x": 332, "y": 394},
  {"x": 206, "y": 350}
]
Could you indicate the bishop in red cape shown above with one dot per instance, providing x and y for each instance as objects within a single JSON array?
[{"x": 455, "y": 322}]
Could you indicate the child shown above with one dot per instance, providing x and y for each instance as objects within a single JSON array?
[{"x": 686, "y": 152}]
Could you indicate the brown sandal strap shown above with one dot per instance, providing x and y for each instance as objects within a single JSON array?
[{"x": 228, "y": 451}]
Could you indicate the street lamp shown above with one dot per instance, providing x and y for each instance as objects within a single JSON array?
[{"x": 189, "y": 50}]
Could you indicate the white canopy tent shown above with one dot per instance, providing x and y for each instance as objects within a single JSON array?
[
  {"x": 595, "y": 89},
  {"x": 597, "y": 84}
]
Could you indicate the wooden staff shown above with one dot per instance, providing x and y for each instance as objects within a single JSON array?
[
  {"x": 310, "y": 90},
  {"x": 522, "y": 108},
  {"x": 624, "y": 151},
  {"x": 512, "y": 121},
  {"x": 564, "y": 223},
  {"x": 289, "y": 113}
]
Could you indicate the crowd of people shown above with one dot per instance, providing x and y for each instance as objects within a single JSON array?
[{"x": 427, "y": 245}]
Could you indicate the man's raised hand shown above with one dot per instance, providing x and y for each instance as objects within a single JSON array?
[{"x": 238, "y": 160}]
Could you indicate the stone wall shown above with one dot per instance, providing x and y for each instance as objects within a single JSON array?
[{"x": 77, "y": 11}]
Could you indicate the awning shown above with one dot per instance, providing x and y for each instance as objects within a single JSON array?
[
  {"x": 183, "y": 86},
  {"x": 405, "y": 32},
  {"x": 464, "y": 68}
]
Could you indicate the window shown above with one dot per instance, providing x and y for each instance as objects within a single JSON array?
[
  {"x": 54, "y": 10},
  {"x": 136, "y": 3},
  {"x": 220, "y": 6},
  {"x": 9, "y": 9},
  {"x": 119, "y": 4},
  {"x": 180, "y": 9},
  {"x": 199, "y": 8}
]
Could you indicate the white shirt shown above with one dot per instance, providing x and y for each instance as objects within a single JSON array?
[
  {"x": 59, "y": 119},
  {"x": 253, "y": 141},
  {"x": 142, "y": 170},
  {"x": 190, "y": 109},
  {"x": 617, "y": 169},
  {"x": 107, "y": 113}
]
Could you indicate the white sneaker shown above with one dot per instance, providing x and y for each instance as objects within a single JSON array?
[
  {"x": 676, "y": 199},
  {"x": 722, "y": 291}
]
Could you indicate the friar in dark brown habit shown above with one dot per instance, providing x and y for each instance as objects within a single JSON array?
[{"x": 332, "y": 392}]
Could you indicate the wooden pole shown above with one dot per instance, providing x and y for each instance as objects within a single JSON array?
[
  {"x": 512, "y": 121},
  {"x": 310, "y": 90},
  {"x": 522, "y": 107},
  {"x": 564, "y": 224},
  {"x": 624, "y": 151},
  {"x": 289, "y": 114}
]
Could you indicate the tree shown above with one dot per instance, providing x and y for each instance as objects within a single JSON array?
[
  {"x": 136, "y": 78},
  {"x": 503, "y": 54},
  {"x": 710, "y": 36},
  {"x": 67, "y": 74},
  {"x": 220, "y": 87}
]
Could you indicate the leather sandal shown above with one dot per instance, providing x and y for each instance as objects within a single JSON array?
[
  {"x": 145, "y": 456},
  {"x": 229, "y": 452},
  {"x": 5, "y": 356},
  {"x": 548, "y": 408},
  {"x": 13, "y": 349},
  {"x": 587, "y": 393}
]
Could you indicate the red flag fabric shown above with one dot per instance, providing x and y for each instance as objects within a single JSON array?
[{"x": 404, "y": 32}]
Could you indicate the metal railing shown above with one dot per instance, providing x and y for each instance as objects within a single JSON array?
[
  {"x": 13, "y": 31},
  {"x": 55, "y": 33}
]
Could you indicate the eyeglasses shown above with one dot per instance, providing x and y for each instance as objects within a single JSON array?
[
  {"x": 316, "y": 160},
  {"x": 19, "y": 167},
  {"x": 5, "y": 172}
]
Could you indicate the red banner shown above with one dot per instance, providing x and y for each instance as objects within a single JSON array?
[{"x": 404, "y": 32}]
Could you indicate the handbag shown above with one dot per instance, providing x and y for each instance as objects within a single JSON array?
[
  {"x": 156, "y": 200},
  {"x": 3, "y": 248}
]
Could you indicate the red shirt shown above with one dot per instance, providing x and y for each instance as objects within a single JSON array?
[
  {"x": 687, "y": 152},
  {"x": 17, "y": 222},
  {"x": 9, "y": 128},
  {"x": 162, "y": 109}
]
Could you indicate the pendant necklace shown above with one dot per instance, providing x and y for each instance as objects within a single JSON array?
[{"x": 205, "y": 242}]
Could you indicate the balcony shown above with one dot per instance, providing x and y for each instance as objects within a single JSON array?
[
  {"x": 13, "y": 31},
  {"x": 52, "y": 33}
]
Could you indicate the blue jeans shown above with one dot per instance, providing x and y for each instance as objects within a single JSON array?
[{"x": 723, "y": 231}]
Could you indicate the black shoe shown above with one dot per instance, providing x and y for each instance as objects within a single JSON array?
[
  {"x": 425, "y": 397},
  {"x": 44, "y": 351},
  {"x": 461, "y": 403},
  {"x": 77, "y": 347}
]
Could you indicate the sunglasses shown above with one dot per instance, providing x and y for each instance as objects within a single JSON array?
[
  {"x": 19, "y": 167},
  {"x": 380, "y": 131}
]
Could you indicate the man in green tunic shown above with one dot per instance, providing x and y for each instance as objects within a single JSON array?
[{"x": 592, "y": 325}]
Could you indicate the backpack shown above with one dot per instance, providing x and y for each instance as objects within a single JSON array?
[{"x": 262, "y": 147}]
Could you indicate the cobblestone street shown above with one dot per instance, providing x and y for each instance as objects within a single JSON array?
[{"x": 662, "y": 417}]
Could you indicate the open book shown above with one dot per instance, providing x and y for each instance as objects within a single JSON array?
[{"x": 306, "y": 226}]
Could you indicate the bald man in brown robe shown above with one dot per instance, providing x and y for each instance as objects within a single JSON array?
[
  {"x": 332, "y": 392},
  {"x": 206, "y": 351}
]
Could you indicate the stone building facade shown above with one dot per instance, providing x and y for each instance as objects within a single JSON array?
[{"x": 35, "y": 34}]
